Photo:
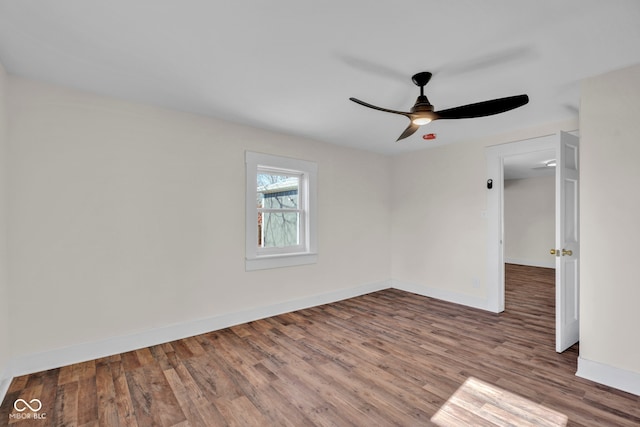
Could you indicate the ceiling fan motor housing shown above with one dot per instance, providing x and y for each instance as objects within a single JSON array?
[{"x": 422, "y": 104}]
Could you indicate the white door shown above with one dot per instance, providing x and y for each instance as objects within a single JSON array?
[{"x": 567, "y": 248}]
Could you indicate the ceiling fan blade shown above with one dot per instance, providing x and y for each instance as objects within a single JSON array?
[
  {"x": 514, "y": 55},
  {"x": 482, "y": 109},
  {"x": 386, "y": 110},
  {"x": 410, "y": 130},
  {"x": 372, "y": 67}
]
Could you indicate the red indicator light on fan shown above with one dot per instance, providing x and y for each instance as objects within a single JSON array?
[{"x": 429, "y": 136}]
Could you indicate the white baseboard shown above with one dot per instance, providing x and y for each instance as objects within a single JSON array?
[
  {"x": 442, "y": 294},
  {"x": 551, "y": 263},
  {"x": 51, "y": 359},
  {"x": 5, "y": 382},
  {"x": 609, "y": 375}
]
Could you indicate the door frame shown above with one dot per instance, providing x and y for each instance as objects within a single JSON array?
[{"x": 495, "y": 156}]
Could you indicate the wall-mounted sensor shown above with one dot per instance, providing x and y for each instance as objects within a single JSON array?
[{"x": 489, "y": 184}]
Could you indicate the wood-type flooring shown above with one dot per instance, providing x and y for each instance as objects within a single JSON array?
[{"x": 386, "y": 358}]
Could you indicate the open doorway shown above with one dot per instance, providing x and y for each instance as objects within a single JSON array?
[
  {"x": 496, "y": 156},
  {"x": 565, "y": 250},
  {"x": 529, "y": 233},
  {"x": 529, "y": 208}
]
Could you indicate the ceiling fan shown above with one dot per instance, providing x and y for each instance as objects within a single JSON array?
[{"x": 422, "y": 111}]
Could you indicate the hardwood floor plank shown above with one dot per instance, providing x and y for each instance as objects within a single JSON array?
[
  {"x": 152, "y": 396},
  {"x": 306, "y": 398},
  {"x": 145, "y": 357},
  {"x": 277, "y": 407},
  {"x": 241, "y": 412},
  {"x": 107, "y": 408},
  {"x": 19, "y": 383},
  {"x": 87, "y": 400},
  {"x": 188, "y": 406},
  {"x": 205, "y": 407},
  {"x": 66, "y": 408},
  {"x": 48, "y": 395},
  {"x": 68, "y": 374},
  {"x": 161, "y": 358},
  {"x": 130, "y": 361},
  {"x": 386, "y": 405},
  {"x": 194, "y": 346},
  {"x": 123, "y": 401},
  {"x": 214, "y": 382}
]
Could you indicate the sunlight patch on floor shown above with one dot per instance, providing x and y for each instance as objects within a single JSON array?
[{"x": 479, "y": 403}]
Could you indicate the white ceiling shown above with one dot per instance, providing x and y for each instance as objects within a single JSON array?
[
  {"x": 529, "y": 165},
  {"x": 291, "y": 65}
]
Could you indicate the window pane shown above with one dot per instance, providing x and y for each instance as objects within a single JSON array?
[
  {"x": 276, "y": 191},
  {"x": 278, "y": 229}
]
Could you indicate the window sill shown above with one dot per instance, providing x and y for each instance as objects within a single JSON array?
[{"x": 281, "y": 260}]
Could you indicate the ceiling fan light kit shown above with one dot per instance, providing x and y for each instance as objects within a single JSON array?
[
  {"x": 423, "y": 112},
  {"x": 421, "y": 121}
]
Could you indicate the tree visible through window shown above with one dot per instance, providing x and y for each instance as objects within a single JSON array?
[{"x": 280, "y": 216}]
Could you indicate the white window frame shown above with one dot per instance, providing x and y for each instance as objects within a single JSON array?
[{"x": 257, "y": 258}]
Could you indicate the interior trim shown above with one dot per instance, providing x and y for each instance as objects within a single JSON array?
[
  {"x": 443, "y": 294},
  {"x": 609, "y": 375},
  {"x": 5, "y": 382}
]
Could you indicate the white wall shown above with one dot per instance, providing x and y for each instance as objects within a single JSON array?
[
  {"x": 128, "y": 218},
  {"x": 437, "y": 231},
  {"x": 439, "y": 235},
  {"x": 5, "y": 347},
  {"x": 529, "y": 221},
  {"x": 610, "y": 220}
]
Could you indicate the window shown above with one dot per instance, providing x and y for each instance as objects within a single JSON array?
[{"x": 280, "y": 211}]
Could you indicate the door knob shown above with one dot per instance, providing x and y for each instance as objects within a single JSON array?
[
  {"x": 567, "y": 252},
  {"x": 553, "y": 251}
]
